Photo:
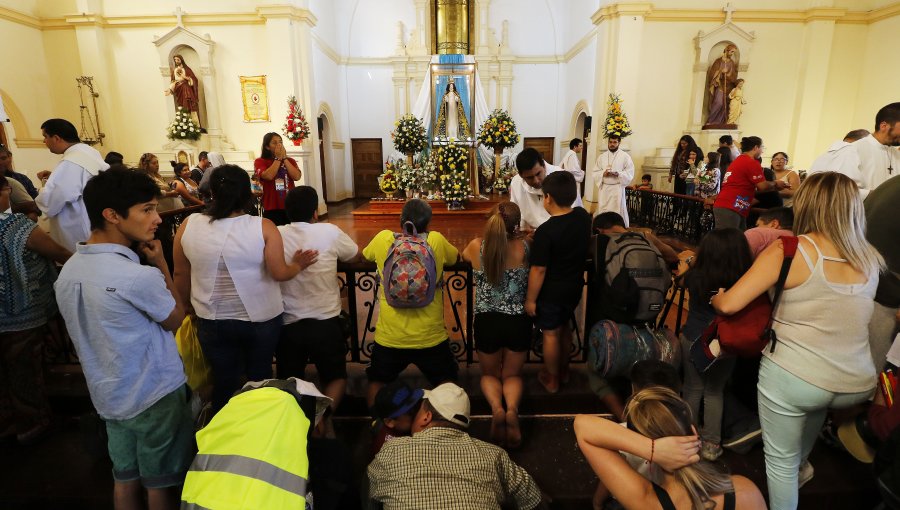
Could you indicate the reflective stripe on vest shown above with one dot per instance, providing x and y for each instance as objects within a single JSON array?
[{"x": 251, "y": 468}]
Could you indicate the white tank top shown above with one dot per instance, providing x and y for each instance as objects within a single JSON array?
[
  {"x": 239, "y": 243},
  {"x": 823, "y": 329}
]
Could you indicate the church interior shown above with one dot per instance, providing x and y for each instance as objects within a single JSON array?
[{"x": 341, "y": 80}]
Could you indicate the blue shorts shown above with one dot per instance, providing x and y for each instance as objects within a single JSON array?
[{"x": 552, "y": 315}]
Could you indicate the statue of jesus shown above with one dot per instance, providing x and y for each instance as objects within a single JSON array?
[{"x": 184, "y": 88}]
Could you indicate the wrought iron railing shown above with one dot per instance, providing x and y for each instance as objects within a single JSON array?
[
  {"x": 668, "y": 214},
  {"x": 361, "y": 283}
]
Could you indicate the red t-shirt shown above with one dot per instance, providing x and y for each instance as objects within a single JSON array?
[
  {"x": 739, "y": 185},
  {"x": 274, "y": 190}
]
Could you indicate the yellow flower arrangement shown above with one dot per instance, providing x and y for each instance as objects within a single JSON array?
[
  {"x": 616, "y": 120},
  {"x": 498, "y": 131}
]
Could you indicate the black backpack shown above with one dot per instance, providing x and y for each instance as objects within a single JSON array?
[{"x": 630, "y": 278}]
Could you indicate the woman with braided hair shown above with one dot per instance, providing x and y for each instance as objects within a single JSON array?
[{"x": 502, "y": 329}]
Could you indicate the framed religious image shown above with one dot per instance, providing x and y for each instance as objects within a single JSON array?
[
  {"x": 256, "y": 98},
  {"x": 453, "y": 102},
  {"x": 182, "y": 157}
]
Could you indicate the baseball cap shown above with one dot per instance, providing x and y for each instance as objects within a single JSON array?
[
  {"x": 395, "y": 399},
  {"x": 451, "y": 402}
]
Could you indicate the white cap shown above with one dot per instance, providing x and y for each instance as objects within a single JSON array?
[{"x": 451, "y": 402}]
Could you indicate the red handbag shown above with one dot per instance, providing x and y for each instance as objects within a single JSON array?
[{"x": 746, "y": 333}]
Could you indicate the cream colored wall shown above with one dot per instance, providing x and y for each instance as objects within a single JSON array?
[
  {"x": 841, "y": 93},
  {"x": 27, "y": 87},
  {"x": 880, "y": 71}
]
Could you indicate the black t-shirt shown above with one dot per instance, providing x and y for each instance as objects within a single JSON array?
[
  {"x": 561, "y": 245},
  {"x": 769, "y": 199}
]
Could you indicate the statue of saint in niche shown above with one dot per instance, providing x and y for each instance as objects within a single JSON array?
[
  {"x": 185, "y": 88},
  {"x": 721, "y": 79},
  {"x": 452, "y": 122}
]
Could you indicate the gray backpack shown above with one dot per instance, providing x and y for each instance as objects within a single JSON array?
[{"x": 633, "y": 276}]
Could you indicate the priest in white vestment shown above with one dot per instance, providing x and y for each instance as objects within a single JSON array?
[
  {"x": 571, "y": 163},
  {"x": 61, "y": 198},
  {"x": 612, "y": 172},
  {"x": 841, "y": 157},
  {"x": 525, "y": 188}
]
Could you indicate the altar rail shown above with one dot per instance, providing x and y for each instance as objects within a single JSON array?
[
  {"x": 360, "y": 286},
  {"x": 668, "y": 214}
]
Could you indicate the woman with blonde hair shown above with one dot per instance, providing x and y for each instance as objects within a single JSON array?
[
  {"x": 502, "y": 329},
  {"x": 149, "y": 164},
  {"x": 660, "y": 431},
  {"x": 821, "y": 357}
]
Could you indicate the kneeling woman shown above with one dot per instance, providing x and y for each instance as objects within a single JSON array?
[
  {"x": 660, "y": 431},
  {"x": 502, "y": 329}
]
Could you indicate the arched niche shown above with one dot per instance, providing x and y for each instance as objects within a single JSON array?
[
  {"x": 707, "y": 48},
  {"x": 198, "y": 54}
]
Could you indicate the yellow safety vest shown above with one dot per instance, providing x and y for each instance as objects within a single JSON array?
[{"x": 252, "y": 455}]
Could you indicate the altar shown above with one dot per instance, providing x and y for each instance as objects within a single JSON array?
[{"x": 391, "y": 207}]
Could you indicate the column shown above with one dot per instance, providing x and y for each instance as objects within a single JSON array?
[
  {"x": 95, "y": 61},
  {"x": 813, "y": 77},
  {"x": 291, "y": 28},
  {"x": 619, "y": 36},
  {"x": 482, "y": 8}
]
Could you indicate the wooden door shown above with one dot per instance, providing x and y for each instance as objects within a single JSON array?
[
  {"x": 543, "y": 144},
  {"x": 367, "y": 166},
  {"x": 321, "y": 124}
]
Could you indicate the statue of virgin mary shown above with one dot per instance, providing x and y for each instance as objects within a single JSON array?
[{"x": 452, "y": 121}]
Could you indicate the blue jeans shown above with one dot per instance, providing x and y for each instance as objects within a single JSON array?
[
  {"x": 709, "y": 388},
  {"x": 234, "y": 348},
  {"x": 792, "y": 412}
]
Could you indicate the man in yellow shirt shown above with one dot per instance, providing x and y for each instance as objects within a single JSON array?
[{"x": 411, "y": 335}]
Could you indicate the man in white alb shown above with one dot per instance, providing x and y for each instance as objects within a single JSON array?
[
  {"x": 613, "y": 171},
  {"x": 60, "y": 199},
  {"x": 571, "y": 163},
  {"x": 525, "y": 188},
  {"x": 841, "y": 157},
  {"x": 878, "y": 155}
]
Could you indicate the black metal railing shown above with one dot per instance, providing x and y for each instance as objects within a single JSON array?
[
  {"x": 668, "y": 214},
  {"x": 361, "y": 283}
]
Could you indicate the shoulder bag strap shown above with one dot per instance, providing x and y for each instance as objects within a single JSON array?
[{"x": 790, "y": 249}]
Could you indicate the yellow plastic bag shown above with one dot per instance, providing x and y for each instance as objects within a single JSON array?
[{"x": 195, "y": 366}]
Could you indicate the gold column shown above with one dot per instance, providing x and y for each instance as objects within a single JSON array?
[{"x": 452, "y": 26}]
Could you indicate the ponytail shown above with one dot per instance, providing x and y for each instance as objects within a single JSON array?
[
  {"x": 496, "y": 241},
  {"x": 501, "y": 227},
  {"x": 230, "y": 187}
]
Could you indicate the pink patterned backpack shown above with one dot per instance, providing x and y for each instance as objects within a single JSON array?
[{"x": 410, "y": 273}]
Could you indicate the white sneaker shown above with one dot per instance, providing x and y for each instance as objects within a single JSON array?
[{"x": 806, "y": 473}]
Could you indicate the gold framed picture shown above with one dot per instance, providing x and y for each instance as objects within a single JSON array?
[{"x": 256, "y": 98}]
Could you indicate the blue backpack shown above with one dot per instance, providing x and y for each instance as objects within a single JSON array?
[{"x": 410, "y": 273}]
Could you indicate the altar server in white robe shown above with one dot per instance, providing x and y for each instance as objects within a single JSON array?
[
  {"x": 571, "y": 163},
  {"x": 612, "y": 172},
  {"x": 879, "y": 159},
  {"x": 61, "y": 198},
  {"x": 525, "y": 188}
]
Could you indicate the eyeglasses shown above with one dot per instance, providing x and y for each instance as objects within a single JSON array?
[{"x": 779, "y": 159}]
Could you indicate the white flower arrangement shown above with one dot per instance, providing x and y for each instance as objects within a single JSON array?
[{"x": 183, "y": 126}]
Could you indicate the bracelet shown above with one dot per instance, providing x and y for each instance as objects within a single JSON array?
[{"x": 652, "y": 449}]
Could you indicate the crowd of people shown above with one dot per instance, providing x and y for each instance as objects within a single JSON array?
[{"x": 266, "y": 287}]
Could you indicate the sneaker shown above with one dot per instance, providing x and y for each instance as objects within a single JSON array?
[
  {"x": 744, "y": 441},
  {"x": 806, "y": 473},
  {"x": 710, "y": 451}
]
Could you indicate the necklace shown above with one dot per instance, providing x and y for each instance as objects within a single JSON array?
[{"x": 887, "y": 152}]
